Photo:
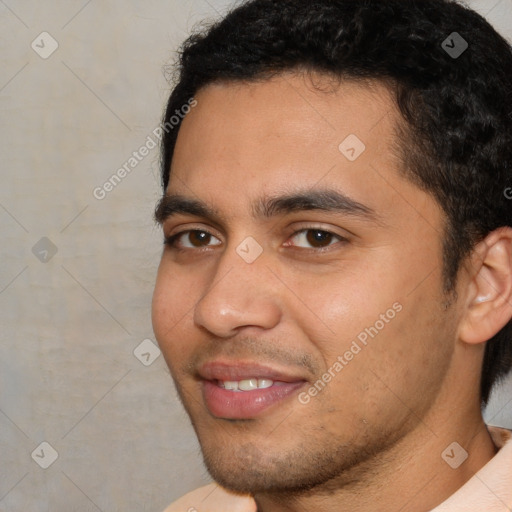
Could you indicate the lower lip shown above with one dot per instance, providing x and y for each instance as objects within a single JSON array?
[{"x": 242, "y": 405}]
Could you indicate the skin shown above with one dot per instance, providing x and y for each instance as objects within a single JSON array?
[{"x": 376, "y": 431}]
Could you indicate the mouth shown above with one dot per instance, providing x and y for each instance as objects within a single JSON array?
[
  {"x": 246, "y": 384},
  {"x": 245, "y": 391}
]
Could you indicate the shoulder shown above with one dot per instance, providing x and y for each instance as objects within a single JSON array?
[
  {"x": 500, "y": 436},
  {"x": 212, "y": 498}
]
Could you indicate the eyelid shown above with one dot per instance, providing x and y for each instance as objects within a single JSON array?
[
  {"x": 190, "y": 226},
  {"x": 337, "y": 231},
  {"x": 171, "y": 239},
  {"x": 323, "y": 229}
]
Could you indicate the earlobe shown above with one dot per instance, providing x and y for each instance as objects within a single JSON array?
[{"x": 489, "y": 297}]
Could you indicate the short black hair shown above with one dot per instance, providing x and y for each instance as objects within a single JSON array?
[{"x": 456, "y": 102}]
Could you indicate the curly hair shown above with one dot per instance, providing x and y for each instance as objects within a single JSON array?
[{"x": 456, "y": 137}]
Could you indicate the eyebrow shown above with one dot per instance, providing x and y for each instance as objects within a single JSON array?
[{"x": 268, "y": 207}]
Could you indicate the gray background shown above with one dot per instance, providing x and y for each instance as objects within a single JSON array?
[{"x": 71, "y": 321}]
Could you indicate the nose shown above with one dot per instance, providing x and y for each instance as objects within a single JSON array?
[{"x": 240, "y": 295}]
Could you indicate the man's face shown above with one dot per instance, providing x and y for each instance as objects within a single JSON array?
[{"x": 331, "y": 306}]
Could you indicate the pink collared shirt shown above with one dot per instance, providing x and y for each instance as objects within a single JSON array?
[{"x": 489, "y": 490}]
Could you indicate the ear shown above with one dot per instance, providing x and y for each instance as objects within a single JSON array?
[{"x": 489, "y": 291}]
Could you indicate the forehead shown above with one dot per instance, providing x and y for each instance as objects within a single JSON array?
[{"x": 244, "y": 141}]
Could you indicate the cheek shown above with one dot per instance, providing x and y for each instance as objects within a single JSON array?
[
  {"x": 162, "y": 305},
  {"x": 382, "y": 305},
  {"x": 396, "y": 354},
  {"x": 339, "y": 307},
  {"x": 172, "y": 305}
]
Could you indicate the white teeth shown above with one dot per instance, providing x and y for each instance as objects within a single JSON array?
[
  {"x": 265, "y": 383},
  {"x": 246, "y": 384}
]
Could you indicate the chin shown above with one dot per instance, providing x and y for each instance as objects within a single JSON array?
[{"x": 246, "y": 469}]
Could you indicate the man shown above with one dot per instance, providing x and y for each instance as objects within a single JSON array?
[{"x": 334, "y": 298}]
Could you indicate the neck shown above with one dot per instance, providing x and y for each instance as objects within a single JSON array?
[{"x": 412, "y": 476}]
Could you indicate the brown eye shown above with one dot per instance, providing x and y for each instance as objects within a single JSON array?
[
  {"x": 199, "y": 238},
  {"x": 192, "y": 239},
  {"x": 314, "y": 238},
  {"x": 318, "y": 238}
]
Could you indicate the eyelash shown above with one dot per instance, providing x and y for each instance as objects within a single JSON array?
[{"x": 171, "y": 241}]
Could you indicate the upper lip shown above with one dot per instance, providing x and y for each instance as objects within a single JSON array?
[{"x": 240, "y": 370}]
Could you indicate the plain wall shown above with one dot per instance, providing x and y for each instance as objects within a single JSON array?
[{"x": 70, "y": 321}]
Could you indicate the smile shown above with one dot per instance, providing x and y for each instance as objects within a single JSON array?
[{"x": 236, "y": 390}]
